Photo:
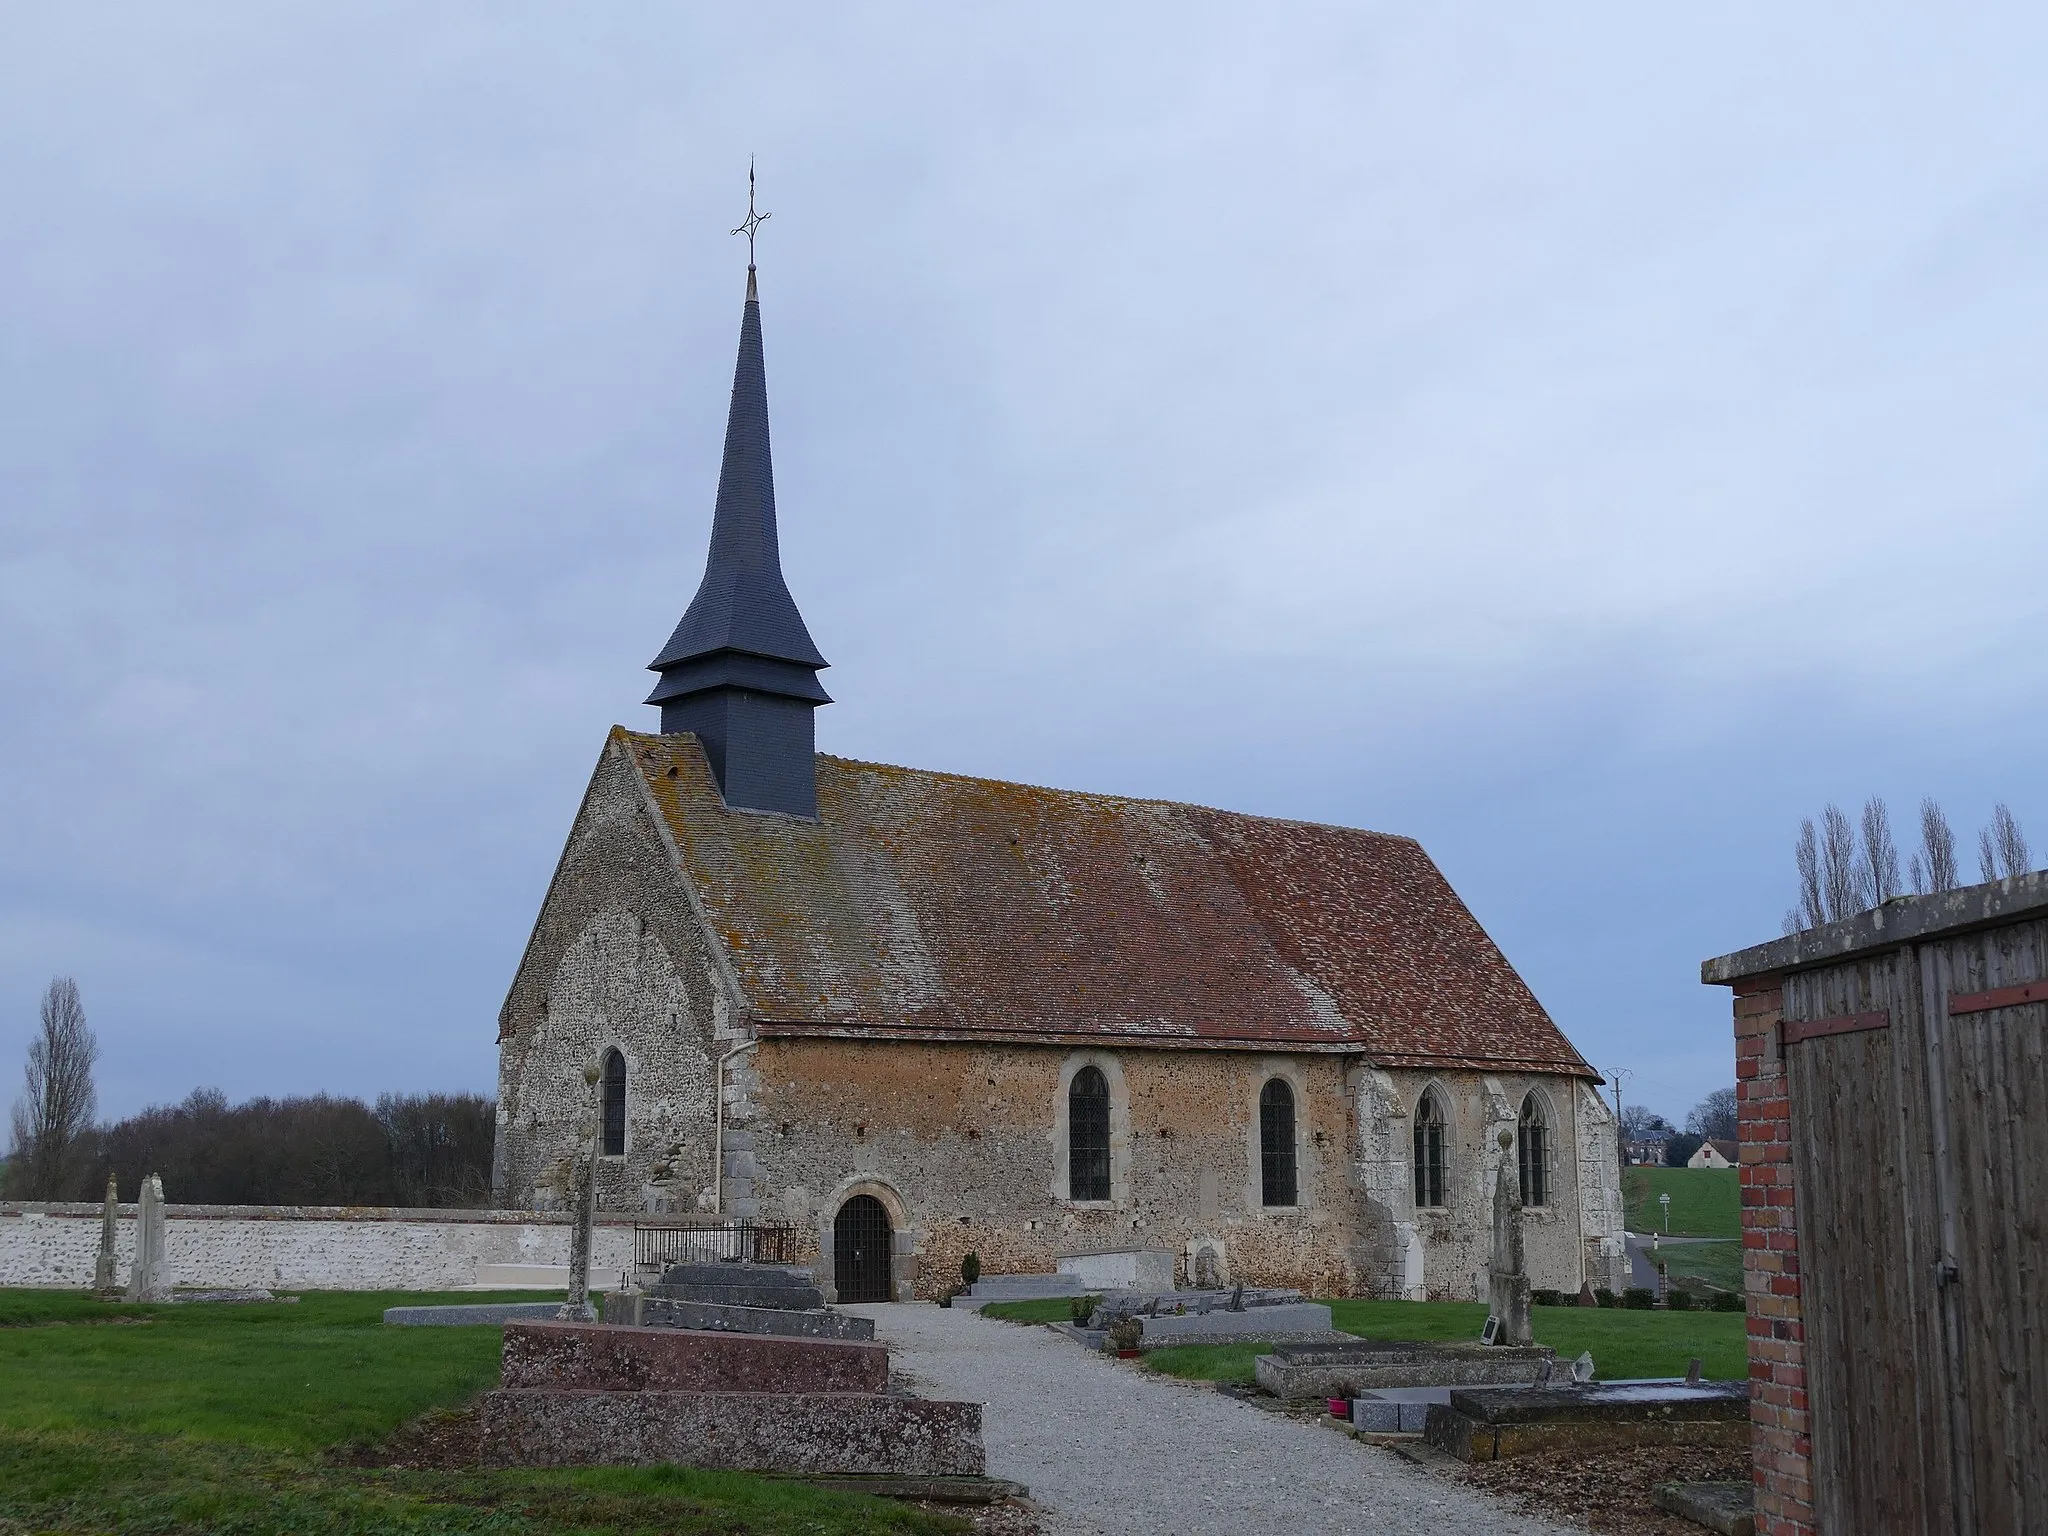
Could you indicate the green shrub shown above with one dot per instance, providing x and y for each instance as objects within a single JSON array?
[
  {"x": 1639, "y": 1297},
  {"x": 1676, "y": 1300},
  {"x": 1605, "y": 1298},
  {"x": 970, "y": 1268},
  {"x": 1083, "y": 1307},
  {"x": 1729, "y": 1301},
  {"x": 1547, "y": 1298}
]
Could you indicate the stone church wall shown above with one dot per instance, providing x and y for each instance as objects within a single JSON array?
[
  {"x": 617, "y": 960},
  {"x": 967, "y": 1144}
]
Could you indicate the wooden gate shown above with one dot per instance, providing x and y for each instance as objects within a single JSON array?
[{"x": 1919, "y": 1142}]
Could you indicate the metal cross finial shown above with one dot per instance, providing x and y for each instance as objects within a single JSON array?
[{"x": 754, "y": 220}]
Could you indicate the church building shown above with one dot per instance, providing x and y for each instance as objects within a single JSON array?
[{"x": 915, "y": 1014}]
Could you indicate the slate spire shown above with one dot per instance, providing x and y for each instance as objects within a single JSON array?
[{"x": 740, "y": 671}]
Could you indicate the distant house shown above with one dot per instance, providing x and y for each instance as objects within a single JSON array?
[
  {"x": 1713, "y": 1154},
  {"x": 1646, "y": 1151}
]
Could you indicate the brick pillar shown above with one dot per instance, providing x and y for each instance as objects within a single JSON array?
[{"x": 1781, "y": 1442}]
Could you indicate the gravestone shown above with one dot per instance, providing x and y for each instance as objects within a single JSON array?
[
  {"x": 1507, "y": 1275},
  {"x": 110, "y": 1221},
  {"x": 150, "y": 1278},
  {"x": 577, "y": 1309}
]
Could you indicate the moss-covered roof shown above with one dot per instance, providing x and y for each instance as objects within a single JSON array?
[{"x": 937, "y": 906}]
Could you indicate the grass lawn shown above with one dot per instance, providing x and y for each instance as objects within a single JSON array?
[
  {"x": 1717, "y": 1264},
  {"x": 1705, "y": 1202},
  {"x": 1049, "y": 1309},
  {"x": 1623, "y": 1343},
  {"x": 213, "y": 1418}
]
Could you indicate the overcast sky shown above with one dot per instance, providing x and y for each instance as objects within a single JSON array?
[{"x": 1586, "y": 439}]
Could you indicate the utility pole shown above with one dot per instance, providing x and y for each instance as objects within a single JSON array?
[{"x": 1617, "y": 1076}]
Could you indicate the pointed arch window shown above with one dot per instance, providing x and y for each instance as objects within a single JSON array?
[
  {"x": 1276, "y": 1144},
  {"x": 1532, "y": 1152},
  {"x": 1088, "y": 1136},
  {"x": 1429, "y": 1152},
  {"x": 613, "y": 1139}
]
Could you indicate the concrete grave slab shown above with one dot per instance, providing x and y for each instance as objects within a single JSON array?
[
  {"x": 483, "y": 1312},
  {"x": 741, "y": 1285},
  {"x": 1350, "y": 1367},
  {"x": 1489, "y": 1423},
  {"x": 713, "y": 1317},
  {"x": 844, "y": 1433},
  {"x": 1305, "y": 1319},
  {"x": 1727, "y": 1509},
  {"x": 1396, "y": 1410}
]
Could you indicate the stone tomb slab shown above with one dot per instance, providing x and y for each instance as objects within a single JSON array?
[
  {"x": 1490, "y": 1423},
  {"x": 860, "y": 1434},
  {"x": 1350, "y": 1368},
  {"x": 1727, "y": 1509},
  {"x": 742, "y": 1285},
  {"x": 1302, "y": 1319},
  {"x": 472, "y": 1316},
  {"x": 712, "y": 1317},
  {"x": 1396, "y": 1410},
  {"x": 606, "y": 1357}
]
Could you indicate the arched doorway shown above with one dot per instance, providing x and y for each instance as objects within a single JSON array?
[{"x": 861, "y": 1250}]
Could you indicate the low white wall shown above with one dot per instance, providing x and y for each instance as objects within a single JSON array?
[{"x": 340, "y": 1248}]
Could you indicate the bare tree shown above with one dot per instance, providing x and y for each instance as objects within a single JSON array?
[
  {"x": 1841, "y": 878},
  {"x": 1714, "y": 1117},
  {"x": 1934, "y": 866},
  {"x": 2002, "y": 847},
  {"x": 1812, "y": 910},
  {"x": 1879, "y": 870},
  {"x": 55, "y": 1111}
]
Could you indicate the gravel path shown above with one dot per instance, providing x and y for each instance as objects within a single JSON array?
[{"x": 1111, "y": 1450}]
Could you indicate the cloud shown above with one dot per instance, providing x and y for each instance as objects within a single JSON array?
[{"x": 1585, "y": 441}]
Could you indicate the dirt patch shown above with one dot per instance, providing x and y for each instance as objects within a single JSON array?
[
  {"x": 446, "y": 1440},
  {"x": 1608, "y": 1491}
]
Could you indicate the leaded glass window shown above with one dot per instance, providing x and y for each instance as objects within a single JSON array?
[
  {"x": 1276, "y": 1143},
  {"x": 1429, "y": 1153},
  {"x": 1088, "y": 1136}
]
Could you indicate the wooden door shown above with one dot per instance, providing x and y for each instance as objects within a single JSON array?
[
  {"x": 1992, "y": 991},
  {"x": 1867, "y": 1211}
]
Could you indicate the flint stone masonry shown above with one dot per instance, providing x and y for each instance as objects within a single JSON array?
[
  {"x": 856, "y": 1433},
  {"x": 1491, "y": 1423},
  {"x": 1344, "y": 1370},
  {"x": 663, "y": 1312},
  {"x": 285, "y": 1247},
  {"x": 480, "y": 1314},
  {"x": 617, "y": 1358}
]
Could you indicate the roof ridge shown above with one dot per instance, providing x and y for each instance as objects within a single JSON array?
[{"x": 1109, "y": 796}]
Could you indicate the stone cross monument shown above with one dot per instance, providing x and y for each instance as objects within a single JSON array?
[
  {"x": 150, "y": 1279},
  {"x": 1507, "y": 1275},
  {"x": 110, "y": 1224},
  {"x": 577, "y": 1309}
]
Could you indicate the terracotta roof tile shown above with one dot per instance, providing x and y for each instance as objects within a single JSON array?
[{"x": 932, "y": 904}]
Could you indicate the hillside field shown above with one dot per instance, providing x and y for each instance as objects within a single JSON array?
[{"x": 1705, "y": 1202}]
